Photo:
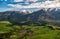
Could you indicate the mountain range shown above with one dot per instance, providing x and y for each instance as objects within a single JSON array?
[{"x": 52, "y": 16}]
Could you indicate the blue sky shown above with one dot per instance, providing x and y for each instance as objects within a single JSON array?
[{"x": 6, "y": 5}]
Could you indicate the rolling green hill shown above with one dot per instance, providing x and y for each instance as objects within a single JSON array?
[{"x": 28, "y": 32}]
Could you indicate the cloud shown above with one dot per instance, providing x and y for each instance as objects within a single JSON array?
[
  {"x": 18, "y": 0},
  {"x": 20, "y": 6},
  {"x": 46, "y": 4},
  {"x": 25, "y": 0},
  {"x": 6, "y": 9},
  {"x": 51, "y": 4},
  {"x": 31, "y": 0}
]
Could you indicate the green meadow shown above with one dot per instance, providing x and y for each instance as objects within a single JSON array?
[{"x": 8, "y": 31}]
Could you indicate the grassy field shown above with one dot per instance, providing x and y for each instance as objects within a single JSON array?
[{"x": 27, "y": 32}]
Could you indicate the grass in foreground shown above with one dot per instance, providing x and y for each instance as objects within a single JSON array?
[{"x": 27, "y": 32}]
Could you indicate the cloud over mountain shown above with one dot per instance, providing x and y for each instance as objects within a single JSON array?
[
  {"x": 26, "y": 4},
  {"x": 46, "y": 4}
]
